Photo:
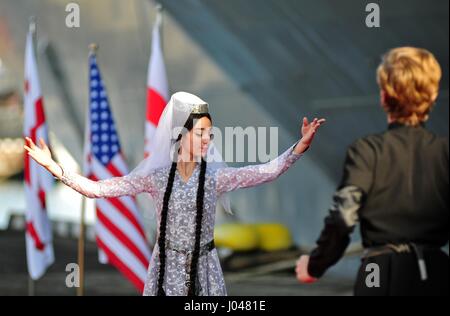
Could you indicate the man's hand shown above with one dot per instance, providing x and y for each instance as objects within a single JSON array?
[{"x": 302, "y": 270}]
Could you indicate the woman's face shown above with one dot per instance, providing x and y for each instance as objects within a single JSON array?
[{"x": 196, "y": 141}]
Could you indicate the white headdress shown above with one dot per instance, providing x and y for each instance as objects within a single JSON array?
[{"x": 163, "y": 142}]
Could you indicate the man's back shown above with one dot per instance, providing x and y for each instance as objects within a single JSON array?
[{"x": 407, "y": 195}]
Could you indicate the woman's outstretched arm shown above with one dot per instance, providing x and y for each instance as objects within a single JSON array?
[
  {"x": 130, "y": 184},
  {"x": 229, "y": 179}
]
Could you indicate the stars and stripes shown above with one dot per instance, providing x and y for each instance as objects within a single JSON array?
[{"x": 119, "y": 230}]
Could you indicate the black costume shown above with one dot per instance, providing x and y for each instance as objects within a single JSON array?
[{"x": 396, "y": 185}]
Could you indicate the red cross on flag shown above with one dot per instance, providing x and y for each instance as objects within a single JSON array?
[{"x": 38, "y": 181}]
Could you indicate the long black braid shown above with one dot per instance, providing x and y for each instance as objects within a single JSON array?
[
  {"x": 198, "y": 220},
  {"x": 198, "y": 229},
  {"x": 162, "y": 230}
]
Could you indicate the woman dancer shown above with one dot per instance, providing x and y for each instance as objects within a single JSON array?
[{"x": 185, "y": 186}]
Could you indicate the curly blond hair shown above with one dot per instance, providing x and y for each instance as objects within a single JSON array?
[{"x": 409, "y": 78}]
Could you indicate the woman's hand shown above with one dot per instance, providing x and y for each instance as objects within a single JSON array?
[
  {"x": 308, "y": 132},
  {"x": 302, "y": 270},
  {"x": 42, "y": 155}
]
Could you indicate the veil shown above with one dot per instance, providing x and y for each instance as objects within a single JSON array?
[{"x": 163, "y": 143}]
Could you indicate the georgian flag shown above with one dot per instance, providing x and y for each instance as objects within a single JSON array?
[
  {"x": 38, "y": 181},
  {"x": 157, "y": 86}
]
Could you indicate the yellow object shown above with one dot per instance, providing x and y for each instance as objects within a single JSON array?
[
  {"x": 238, "y": 237},
  {"x": 245, "y": 237},
  {"x": 273, "y": 236}
]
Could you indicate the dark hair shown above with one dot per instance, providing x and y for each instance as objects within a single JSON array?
[{"x": 198, "y": 220}]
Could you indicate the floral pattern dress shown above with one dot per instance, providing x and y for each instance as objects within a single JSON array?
[{"x": 180, "y": 233}]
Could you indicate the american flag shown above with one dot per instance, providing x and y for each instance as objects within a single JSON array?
[
  {"x": 157, "y": 85},
  {"x": 38, "y": 181},
  {"x": 119, "y": 230}
]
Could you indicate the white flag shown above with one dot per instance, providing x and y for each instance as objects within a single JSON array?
[
  {"x": 157, "y": 86},
  {"x": 38, "y": 181}
]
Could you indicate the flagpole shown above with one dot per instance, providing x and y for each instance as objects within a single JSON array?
[
  {"x": 80, "y": 288},
  {"x": 30, "y": 286},
  {"x": 159, "y": 8},
  {"x": 32, "y": 30},
  {"x": 81, "y": 238},
  {"x": 159, "y": 20}
]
